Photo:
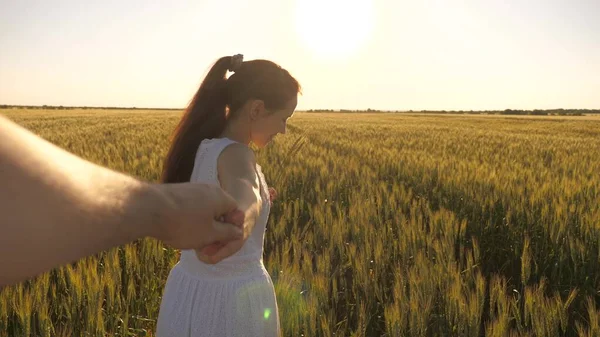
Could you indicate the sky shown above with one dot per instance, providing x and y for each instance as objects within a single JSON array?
[{"x": 347, "y": 54}]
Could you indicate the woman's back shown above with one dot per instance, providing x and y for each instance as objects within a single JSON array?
[
  {"x": 251, "y": 254},
  {"x": 229, "y": 298}
]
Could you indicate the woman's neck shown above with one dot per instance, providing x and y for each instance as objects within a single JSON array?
[{"x": 236, "y": 132}]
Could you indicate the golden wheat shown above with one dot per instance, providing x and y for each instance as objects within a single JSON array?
[{"x": 385, "y": 225}]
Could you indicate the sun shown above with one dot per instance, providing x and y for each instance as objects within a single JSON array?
[{"x": 334, "y": 28}]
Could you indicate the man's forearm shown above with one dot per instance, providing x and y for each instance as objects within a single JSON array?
[{"x": 45, "y": 203}]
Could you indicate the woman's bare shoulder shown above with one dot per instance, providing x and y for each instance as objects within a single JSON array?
[{"x": 237, "y": 160}]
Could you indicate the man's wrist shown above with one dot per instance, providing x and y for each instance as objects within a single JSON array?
[
  {"x": 141, "y": 210},
  {"x": 149, "y": 206}
]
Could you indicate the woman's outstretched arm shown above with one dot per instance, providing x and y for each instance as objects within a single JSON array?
[{"x": 237, "y": 175}]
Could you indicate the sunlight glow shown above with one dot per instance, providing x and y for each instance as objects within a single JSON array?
[{"x": 334, "y": 28}]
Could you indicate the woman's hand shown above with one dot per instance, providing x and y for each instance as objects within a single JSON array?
[{"x": 272, "y": 195}]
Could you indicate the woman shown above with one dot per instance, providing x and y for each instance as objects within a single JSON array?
[{"x": 207, "y": 294}]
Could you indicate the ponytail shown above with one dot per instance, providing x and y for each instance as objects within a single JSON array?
[{"x": 205, "y": 117}]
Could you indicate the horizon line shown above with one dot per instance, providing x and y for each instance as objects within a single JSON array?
[{"x": 301, "y": 110}]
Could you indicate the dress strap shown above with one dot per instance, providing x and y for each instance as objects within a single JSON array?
[{"x": 207, "y": 156}]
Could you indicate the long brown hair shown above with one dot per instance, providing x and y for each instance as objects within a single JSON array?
[{"x": 217, "y": 100}]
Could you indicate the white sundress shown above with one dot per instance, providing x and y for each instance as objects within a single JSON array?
[{"x": 234, "y": 297}]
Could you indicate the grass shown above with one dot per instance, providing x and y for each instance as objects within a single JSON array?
[{"x": 385, "y": 225}]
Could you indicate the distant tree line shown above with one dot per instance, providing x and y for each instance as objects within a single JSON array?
[
  {"x": 535, "y": 112},
  {"x": 61, "y": 107},
  {"x": 346, "y": 110}
]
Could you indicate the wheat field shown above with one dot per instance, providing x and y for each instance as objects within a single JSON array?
[{"x": 385, "y": 225}]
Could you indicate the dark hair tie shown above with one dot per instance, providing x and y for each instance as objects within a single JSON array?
[{"x": 236, "y": 62}]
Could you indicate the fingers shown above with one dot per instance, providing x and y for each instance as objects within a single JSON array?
[
  {"x": 226, "y": 251},
  {"x": 212, "y": 249},
  {"x": 235, "y": 218},
  {"x": 225, "y": 245},
  {"x": 226, "y": 209},
  {"x": 204, "y": 258},
  {"x": 224, "y": 232},
  {"x": 225, "y": 235},
  {"x": 223, "y": 202},
  {"x": 273, "y": 193}
]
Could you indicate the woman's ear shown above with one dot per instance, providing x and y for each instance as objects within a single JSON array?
[{"x": 257, "y": 109}]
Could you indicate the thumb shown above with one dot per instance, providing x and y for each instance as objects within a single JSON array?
[{"x": 235, "y": 217}]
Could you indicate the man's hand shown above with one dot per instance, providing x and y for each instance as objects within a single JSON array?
[
  {"x": 197, "y": 215},
  {"x": 57, "y": 208}
]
